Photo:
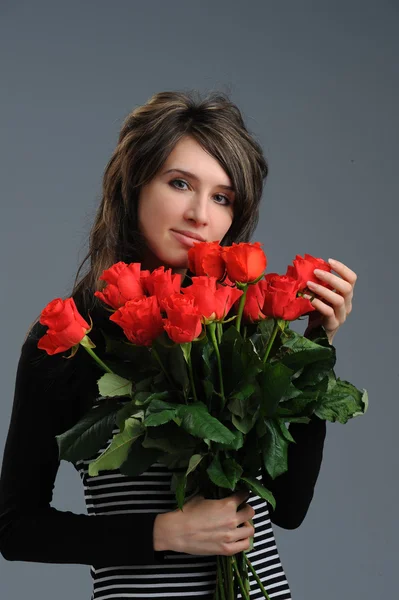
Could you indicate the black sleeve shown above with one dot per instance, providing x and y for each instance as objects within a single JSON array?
[
  {"x": 294, "y": 489},
  {"x": 50, "y": 396}
]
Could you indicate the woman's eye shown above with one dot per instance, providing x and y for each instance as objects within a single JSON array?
[
  {"x": 180, "y": 180},
  {"x": 224, "y": 198},
  {"x": 227, "y": 200}
]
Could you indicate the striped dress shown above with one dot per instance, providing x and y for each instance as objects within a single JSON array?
[
  {"x": 51, "y": 395},
  {"x": 180, "y": 575}
]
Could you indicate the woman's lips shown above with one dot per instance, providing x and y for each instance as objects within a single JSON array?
[{"x": 184, "y": 239}]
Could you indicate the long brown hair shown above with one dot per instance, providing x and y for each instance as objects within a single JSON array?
[{"x": 148, "y": 135}]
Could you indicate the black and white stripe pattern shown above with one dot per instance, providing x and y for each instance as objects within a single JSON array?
[{"x": 181, "y": 575}]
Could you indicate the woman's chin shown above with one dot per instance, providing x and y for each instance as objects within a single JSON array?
[{"x": 176, "y": 266}]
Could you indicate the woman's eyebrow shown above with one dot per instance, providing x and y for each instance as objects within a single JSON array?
[{"x": 188, "y": 174}]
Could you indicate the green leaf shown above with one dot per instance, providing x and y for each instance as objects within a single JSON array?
[
  {"x": 144, "y": 385},
  {"x": 123, "y": 413},
  {"x": 157, "y": 405},
  {"x": 260, "y": 338},
  {"x": 145, "y": 398},
  {"x": 160, "y": 418},
  {"x": 296, "y": 352},
  {"x": 139, "y": 459},
  {"x": 318, "y": 335},
  {"x": 159, "y": 412},
  {"x": 197, "y": 421},
  {"x": 89, "y": 434},
  {"x": 173, "y": 360},
  {"x": 301, "y": 406},
  {"x": 177, "y": 460},
  {"x": 259, "y": 490},
  {"x": 275, "y": 381},
  {"x": 170, "y": 438},
  {"x": 280, "y": 424},
  {"x": 305, "y": 420},
  {"x": 207, "y": 350},
  {"x": 342, "y": 402},
  {"x": 365, "y": 402},
  {"x": 186, "y": 349},
  {"x": 240, "y": 360},
  {"x": 244, "y": 425},
  {"x": 238, "y": 404},
  {"x": 194, "y": 462},
  {"x": 232, "y": 470},
  {"x": 224, "y": 475},
  {"x": 117, "y": 451},
  {"x": 292, "y": 391},
  {"x": 110, "y": 385},
  {"x": 274, "y": 450},
  {"x": 234, "y": 445},
  {"x": 179, "y": 481}
]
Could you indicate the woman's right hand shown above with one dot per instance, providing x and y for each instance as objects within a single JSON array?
[{"x": 206, "y": 526}]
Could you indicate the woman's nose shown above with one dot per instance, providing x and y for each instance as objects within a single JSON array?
[{"x": 198, "y": 210}]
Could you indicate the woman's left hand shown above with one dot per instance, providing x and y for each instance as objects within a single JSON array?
[{"x": 332, "y": 306}]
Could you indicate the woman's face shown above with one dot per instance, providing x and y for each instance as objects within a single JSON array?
[{"x": 199, "y": 202}]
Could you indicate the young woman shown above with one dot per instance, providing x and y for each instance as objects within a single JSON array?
[{"x": 184, "y": 168}]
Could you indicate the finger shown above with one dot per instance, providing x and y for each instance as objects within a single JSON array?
[
  {"x": 337, "y": 300},
  {"x": 341, "y": 286},
  {"x": 236, "y": 547},
  {"x": 343, "y": 270},
  {"x": 321, "y": 307},
  {"x": 246, "y": 531},
  {"x": 240, "y": 496},
  {"x": 245, "y": 513}
]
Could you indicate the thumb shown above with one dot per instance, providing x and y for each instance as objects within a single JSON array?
[{"x": 241, "y": 496}]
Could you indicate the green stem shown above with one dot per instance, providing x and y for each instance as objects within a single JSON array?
[
  {"x": 230, "y": 581},
  {"x": 244, "y": 592},
  {"x": 223, "y": 561},
  {"x": 260, "y": 584},
  {"x": 158, "y": 358},
  {"x": 191, "y": 375},
  {"x": 211, "y": 329},
  {"x": 241, "y": 306},
  {"x": 219, "y": 331},
  {"x": 272, "y": 338},
  {"x": 220, "y": 588},
  {"x": 98, "y": 360},
  {"x": 242, "y": 565}
]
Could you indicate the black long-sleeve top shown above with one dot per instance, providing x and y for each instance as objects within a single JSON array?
[{"x": 51, "y": 395}]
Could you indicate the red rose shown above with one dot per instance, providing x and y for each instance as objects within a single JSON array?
[
  {"x": 205, "y": 258},
  {"x": 162, "y": 284},
  {"x": 66, "y": 326},
  {"x": 281, "y": 301},
  {"x": 302, "y": 270},
  {"x": 227, "y": 281},
  {"x": 124, "y": 282},
  {"x": 140, "y": 320},
  {"x": 254, "y": 301},
  {"x": 184, "y": 321},
  {"x": 245, "y": 262},
  {"x": 214, "y": 300}
]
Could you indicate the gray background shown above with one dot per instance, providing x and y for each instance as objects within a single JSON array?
[{"x": 317, "y": 83}]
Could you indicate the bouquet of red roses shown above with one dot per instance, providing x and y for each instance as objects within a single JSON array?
[{"x": 212, "y": 366}]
